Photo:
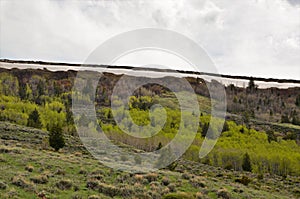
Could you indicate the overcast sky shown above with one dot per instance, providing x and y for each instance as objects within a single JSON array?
[{"x": 249, "y": 37}]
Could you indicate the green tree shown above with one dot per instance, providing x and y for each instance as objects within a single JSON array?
[
  {"x": 34, "y": 119},
  {"x": 225, "y": 127},
  {"x": 246, "y": 165},
  {"x": 56, "y": 139},
  {"x": 271, "y": 136}
]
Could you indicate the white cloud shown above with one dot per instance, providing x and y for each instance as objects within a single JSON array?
[{"x": 252, "y": 37}]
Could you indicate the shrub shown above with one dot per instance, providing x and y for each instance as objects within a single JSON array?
[
  {"x": 41, "y": 179},
  {"x": 244, "y": 180},
  {"x": 82, "y": 171},
  {"x": 223, "y": 193},
  {"x": 151, "y": 177},
  {"x": 64, "y": 184},
  {"x": 21, "y": 182},
  {"x": 29, "y": 168},
  {"x": 179, "y": 195},
  {"x": 42, "y": 194},
  {"x": 109, "y": 190},
  {"x": 197, "y": 182},
  {"x": 60, "y": 172},
  {"x": 138, "y": 177},
  {"x": 185, "y": 176},
  {"x": 199, "y": 195},
  {"x": 165, "y": 181},
  {"x": 260, "y": 176},
  {"x": 92, "y": 184},
  {"x": 3, "y": 185},
  {"x": 172, "y": 187}
]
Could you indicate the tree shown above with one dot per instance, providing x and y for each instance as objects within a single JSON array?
[
  {"x": 252, "y": 85},
  {"x": 34, "y": 119},
  {"x": 205, "y": 129},
  {"x": 56, "y": 139},
  {"x": 246, "y": 165},
  {"x": 225, "y": 127},
  {"x": 159, "y": 146},
  {"x": 271, "y": 136}
]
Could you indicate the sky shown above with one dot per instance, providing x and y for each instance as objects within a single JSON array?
[{"x": 251, "y": 37}]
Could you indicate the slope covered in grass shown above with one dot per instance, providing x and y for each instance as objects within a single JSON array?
[{"x": 29, "y": 169}]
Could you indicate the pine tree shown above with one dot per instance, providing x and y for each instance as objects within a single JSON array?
[
  {"x": 225, "y": 127},
  {"x": 247, "y": 163},
  {"x": 56, "y": 139},
  {"x": 34, "y": 119}
]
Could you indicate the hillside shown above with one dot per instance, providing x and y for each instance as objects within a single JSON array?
[
  {"x": 256, "y": 156},
  {"x": 30, "y": 169}
]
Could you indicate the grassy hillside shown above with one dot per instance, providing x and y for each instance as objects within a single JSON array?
[
  {"x": 30, "y": 169},
  {"x": 256, "y": 156}
]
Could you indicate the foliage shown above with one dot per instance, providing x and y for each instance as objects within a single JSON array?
[
  {"x": 56, "y": 139},
  {"x": 34, "y": 119},
  {"x": 246, "y": 165}
]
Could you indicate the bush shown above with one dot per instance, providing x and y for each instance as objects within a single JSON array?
[
  {"x": 39, "y": 179},
  {"x": 109, "y": 190},
  {"x": 179, "y": 195},
  {"x": 199, "y": 195},
  {"x": 60, "y": 172},
  {"x": 92, "y": 184},
  {"x": 223, "y": 193},
  {"x": 197, "y": 182},
  {"x": 21, "y": 182},
  {"x": 64, "y": 184},
  {"x": 151, "y": 177},
  {"x": 56, "y": 139},
  {"x": 244, "y": 180},
  {"x": 165, "y": 181},
  {"x": 29, "y": 168},
  {"x": 260, "y": 176},
  {"x": 3, "y": 185}
]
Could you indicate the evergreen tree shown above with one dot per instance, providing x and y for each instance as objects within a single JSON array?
[
  {"x": 225, "y": 127},
  {"x": 159, "y": 146},
  {"x": 22, "y": 91},
  {"x": 251, "y": 84},
  {"x": 246, "y": 165},
  {"x": 56, "y": 139},
  {"x": 34, "y": 119},
  {"x": 205, "y": 129},
  {"x": 271, "y": 136}
]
